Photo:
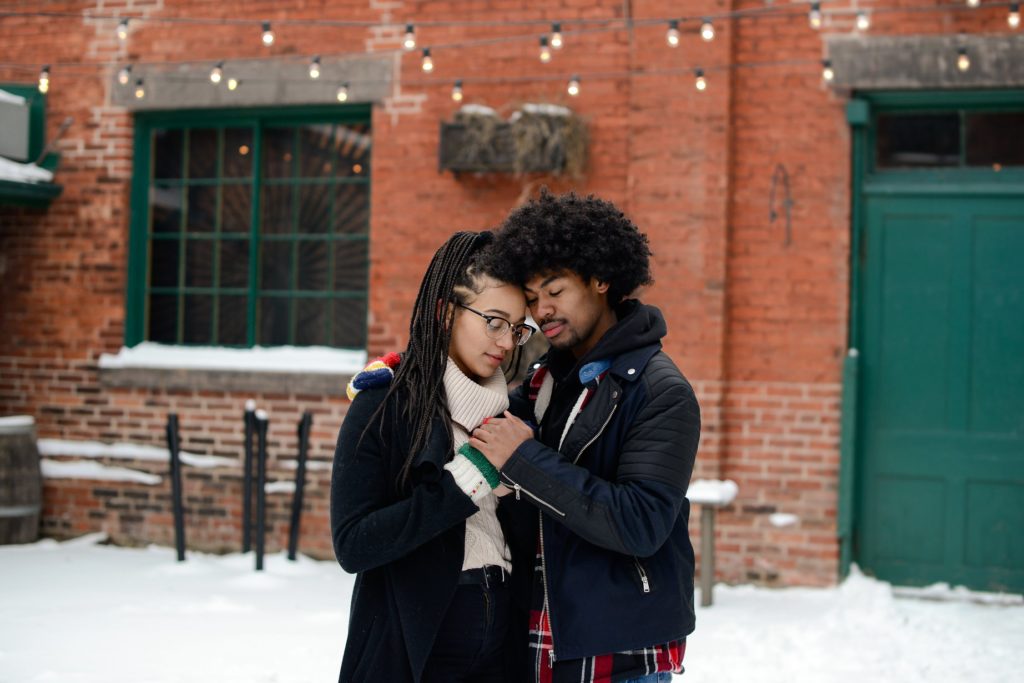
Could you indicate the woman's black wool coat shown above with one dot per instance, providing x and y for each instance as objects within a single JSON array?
[{"x": 407, "y": 548}]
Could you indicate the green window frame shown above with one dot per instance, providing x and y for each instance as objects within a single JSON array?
[{"x": 268, "y": 250}]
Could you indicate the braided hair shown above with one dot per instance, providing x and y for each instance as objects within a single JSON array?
[{"x": 455, "y": 275}]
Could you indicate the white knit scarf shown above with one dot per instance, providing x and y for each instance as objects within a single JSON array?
[{"x": 469, "y": 403}]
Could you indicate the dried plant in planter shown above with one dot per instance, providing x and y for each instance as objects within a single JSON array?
[
  {"x": 538, "y": 138},
  {"x": 548, "y": 138},
  {"x": 480, "y": 145}
]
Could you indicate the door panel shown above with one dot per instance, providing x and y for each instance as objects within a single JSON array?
[{"x": 941, "y": 433}]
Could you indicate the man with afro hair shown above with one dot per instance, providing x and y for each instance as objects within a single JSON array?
[{"x": 596, "y": 450}]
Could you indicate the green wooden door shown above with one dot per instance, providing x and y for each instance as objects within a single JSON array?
[{"x": 941, "y": 410}]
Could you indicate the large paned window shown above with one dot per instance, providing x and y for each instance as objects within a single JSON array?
[{"x": 251, "y": 229}]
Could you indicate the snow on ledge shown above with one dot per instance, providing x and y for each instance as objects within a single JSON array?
[
  {"x": 477, "y": 110},
  {"x": 712, "y": 492},
  {"x": 127, "y": 451},
  {"x": 11, "y": 98},
  {"x": 320, "y": 360},
  {"x": 783, "y": 519},
  {"x": 16, "y": 424},
  {"x": 23, "y": 173},
  {"x": 540, "y": 109},
  {"x": 55, "y": 469},
  {"x": 311, "y": 465},
  {"x": 279, "y": 486}
]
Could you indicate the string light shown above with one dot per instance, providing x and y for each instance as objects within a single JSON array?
[
  {"x": 217, "y": 73},
  {"x": 574, "y": 86},
  {"x": 457, "y": 91},
  {"x": 268, "y": 34},
  {"x": 44, "y": 79},
  {"x": 963, "y": 61},
  {"x": 863, "y": 21},
  {"x": 556, "y": 36},
  {"x": 233, "y": 84},
  {"x": 124, "y": 76},
  {"x": 428, "y": 61},
  {"x": 314, "y": 67},
  {"x": 342, "y": 93},
  {"x": 814, "y": 16},
  {"x": 122, "y": 30},
  {"x": 828, "y": 74},
  {"x": 1013, "y": 18},
  {"x": 140, "y": 89},
  {"x": 701, "y": 83},
  {"x": 973, "y": 3},
  {"x": 707, "y": 30},
  {"x": 409, "y": 41},
  {"x": 545, "y": 51},
  {"x": 672, "y": 36}
]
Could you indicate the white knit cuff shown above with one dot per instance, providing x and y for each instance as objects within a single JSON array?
[{"x": 468, "y": 477}]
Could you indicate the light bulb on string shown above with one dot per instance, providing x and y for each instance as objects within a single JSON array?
[
  {"x": 863, "y": 21},
  {"x": 700, "y": 83},
  {"x": 814, "y": 15},
  {"x": 428, "y": 61},
  {"x": 314, "y": 67},
  {"x": 342, "y": 94},
  {"x": 217, "y": 73},
  {"x": 545, "y": 51},
  {"x": 973, "y": 3},
  {"x": 233, "y": 84},
  {"x": 574, "y": 86},
  {"x": 672, "y": 35},
  {"x": 1013, "y": 18},
  {"x": 963, "y": 60},
  {"x": 828, "y": 74},
  {"x": 457, "y": 91},
  {"x": 556, "y": 36},
  {"x": 44, "y": 79},
  {"x": 124, "y": 75},
  {"x": 140, "y": 89},
  {"x": 122, "y": 30},
  {"x": 707, "y": 30},
  {"x": 409, "y": 41},
  {"x": 268, "y": 34}
]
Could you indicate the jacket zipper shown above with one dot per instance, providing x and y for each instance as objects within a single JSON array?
[
  {"x": 595, "y": 437},
  {"x": 517, "y": 489},
  {"x": 544, "y": 582},
  {"x": 643, "y": 575}
]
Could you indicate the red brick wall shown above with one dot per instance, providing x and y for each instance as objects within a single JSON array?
[{"x": 758, "y": 325}]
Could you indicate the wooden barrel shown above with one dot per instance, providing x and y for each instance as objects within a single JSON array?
[{"x": 21, "y": 483}]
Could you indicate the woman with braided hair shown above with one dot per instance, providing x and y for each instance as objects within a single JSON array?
[{"x": 412, "y": 504}]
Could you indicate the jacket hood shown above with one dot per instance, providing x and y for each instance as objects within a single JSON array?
[{"x": 639, "y": 325}]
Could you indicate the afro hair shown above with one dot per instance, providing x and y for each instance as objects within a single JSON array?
[{"x": 586, "y": 235}]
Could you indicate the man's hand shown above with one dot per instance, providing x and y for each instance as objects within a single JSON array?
[{"x": 498, "y": 438}]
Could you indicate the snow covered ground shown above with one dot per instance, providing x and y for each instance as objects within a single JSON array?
[{"x": 81, "y": 612}]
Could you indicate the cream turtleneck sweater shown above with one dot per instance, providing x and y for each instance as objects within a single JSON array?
[{"x": 469, "y": 403}]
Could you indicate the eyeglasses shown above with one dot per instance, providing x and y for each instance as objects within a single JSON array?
[{"x": 498, "y": 327}]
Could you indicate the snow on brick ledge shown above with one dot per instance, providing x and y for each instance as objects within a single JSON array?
[
  {"x": 712, "y": 492},
  {"x": 127, "y": 451},
  {"x": 55, "y": 469},
  {"x": 319, "y": 360}
]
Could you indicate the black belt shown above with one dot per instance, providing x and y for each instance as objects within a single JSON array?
[{"x": 492, "y": 573}]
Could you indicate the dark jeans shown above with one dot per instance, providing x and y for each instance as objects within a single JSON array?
[{"x": 469, "y": 644}]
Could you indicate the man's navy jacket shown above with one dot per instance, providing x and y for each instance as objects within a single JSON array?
[{"x": 612, "y": 502}]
